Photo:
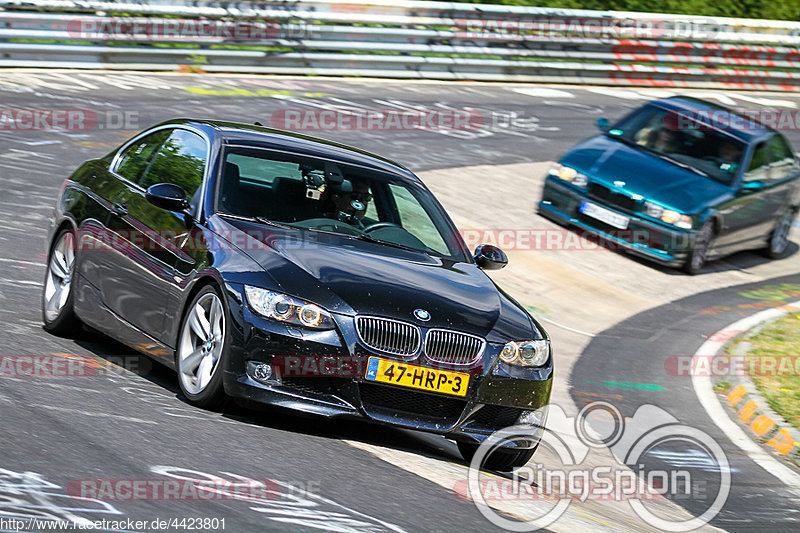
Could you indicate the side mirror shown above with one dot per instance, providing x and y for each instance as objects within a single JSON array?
[
  {"x": 489, "y": 257},
  {"x": 167, "y": 196},
  {"x": 603, "y": 124},
  {"x": 751, "y": 186}
]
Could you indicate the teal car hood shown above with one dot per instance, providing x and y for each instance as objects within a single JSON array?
[{"x": 606, "y": 160}]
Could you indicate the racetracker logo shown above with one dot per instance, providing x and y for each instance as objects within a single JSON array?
[
  {"x": 43, "y": 366},
  {"x": 62, "y": 365},
  {"x": 568, "y": 239},
  {"x": 66, "y": 120},
  {"x": 733, "y": 365},
  {"x": 377, "y": 119},
  {"x": 172, "y": 490},
  {"x": 169, "y": 29},
  {"x": 742, "y": 119},
  {"x": 606, "y": 28},
  {"x": 507, "y": 239},
  {"x": 539, "y": 495}
]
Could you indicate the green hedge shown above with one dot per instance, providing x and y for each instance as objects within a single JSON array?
[{"x": 760, "y": 9}]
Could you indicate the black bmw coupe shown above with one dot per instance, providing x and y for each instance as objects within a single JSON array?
[{"x": 296, "y": 272}]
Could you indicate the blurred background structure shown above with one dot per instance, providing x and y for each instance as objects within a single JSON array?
[{"x": 419, "y": 40}]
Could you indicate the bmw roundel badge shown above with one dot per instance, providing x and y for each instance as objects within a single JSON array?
[{"x": 422, "y": 314}]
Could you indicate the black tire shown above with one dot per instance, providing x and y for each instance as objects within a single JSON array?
[
  {"x": 778, "y": 240},
  {"x": 59, "y": 318},
  {"x": 499, "y": 460},
  {"x": 699, "y": 252},
  {"x": 211, "y": 394}
]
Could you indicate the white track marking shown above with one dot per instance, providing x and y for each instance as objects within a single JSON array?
[
  {"x": 618, "y": 93},
  {"x": 658, "y": 93},
  {"x": 774, "y": 102},
  {"x": 704, "y": 390},
  {"x": 544, "y": 92},
  {"x": 562, "y": 326}
]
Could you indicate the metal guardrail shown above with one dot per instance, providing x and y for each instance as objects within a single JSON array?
[{"x": 403, "y": 39}]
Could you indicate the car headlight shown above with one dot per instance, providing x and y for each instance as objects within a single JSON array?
[
  {"x": 526, "y": 353},
  {"x": 676, "y": 219},
  {"x": 283, "y": 308},
  {"x": 668, "y": 215},
  {"x": 653, "y": 210},
  {"x": 569, "y": 174}
]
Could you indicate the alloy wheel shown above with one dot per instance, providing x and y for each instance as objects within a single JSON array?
[
  {"x": 780, "y": 235},
  {"x": 201, "y": 344},
  {"x": 701, "y": 247},
  {"x": 58, "y": 281}
]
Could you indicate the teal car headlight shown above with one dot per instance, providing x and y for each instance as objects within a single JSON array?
[
  {"x": 569, "y": 174},
  {"x": 283, "y": 308},
  {"x": 668, "y": 215},
  {"x": 526, "y": 353}
]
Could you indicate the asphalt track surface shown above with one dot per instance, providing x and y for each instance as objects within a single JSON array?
[
  {"x": 117, "y": 424},
  {"x": 641, "y": 363}
]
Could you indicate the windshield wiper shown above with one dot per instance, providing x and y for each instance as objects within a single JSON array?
[
  {"x": 660, "y": 155},
  {"x": 268, "y": 222},
  {"x": 369, "y": 238},
  {"x": 260, "y": 220},
  {"x": 682, "y": 164}
]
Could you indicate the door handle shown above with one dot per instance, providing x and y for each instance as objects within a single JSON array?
[{"x": 119, "y": 209}]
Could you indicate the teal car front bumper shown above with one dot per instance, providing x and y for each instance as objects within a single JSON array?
[{"x": 561, "y": 203}]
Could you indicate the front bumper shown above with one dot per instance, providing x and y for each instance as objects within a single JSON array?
[
  {"x": 497, "y": 395},
  {"x": 643, "y": 238}
]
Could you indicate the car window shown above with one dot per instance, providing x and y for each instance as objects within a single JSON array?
[
  {"x": 260, "y": 171},
  {"x": 317, "y": 194},
  {"x": 135, "y": 158},
  {"x": 781, "y": 157},
  {"x": 758, "y": 169},
  {"x": 181, "y": 160},
  {"x": 414, "y": 219},
  {"x": 684, "y": 140}
]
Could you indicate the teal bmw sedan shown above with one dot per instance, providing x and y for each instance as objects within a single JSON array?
[{"x": 679, "y": 181}]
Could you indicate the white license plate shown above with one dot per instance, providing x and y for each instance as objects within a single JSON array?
[{"x": 604, "y": 215}]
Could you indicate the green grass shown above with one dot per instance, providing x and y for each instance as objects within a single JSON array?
[
  {"x": 722, "y": 387},
  {"x": 779, "y": 383}
]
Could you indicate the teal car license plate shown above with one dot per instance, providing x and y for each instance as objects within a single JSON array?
[{"x": 604, "y": 215}]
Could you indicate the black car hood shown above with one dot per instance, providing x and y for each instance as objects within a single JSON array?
[{"x": 351, "y": 277}]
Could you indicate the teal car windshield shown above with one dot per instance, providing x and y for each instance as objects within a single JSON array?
[{"x": 684, "y": 141}]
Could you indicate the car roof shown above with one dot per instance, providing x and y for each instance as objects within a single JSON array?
[
  {"x": 704, "y": 110},
  {"x": 250, "y": 135}
]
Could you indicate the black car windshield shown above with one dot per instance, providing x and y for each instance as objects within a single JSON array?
[
  {"x": 683, "y": 140},
  {"x": 317, "y": 194}
]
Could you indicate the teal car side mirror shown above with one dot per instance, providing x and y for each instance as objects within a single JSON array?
[
  {"x": 752, "y": 186},
  {"x": 603, "y": 124}
]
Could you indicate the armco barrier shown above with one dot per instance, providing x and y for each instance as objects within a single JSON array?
[{"x": 403, "y": 39}]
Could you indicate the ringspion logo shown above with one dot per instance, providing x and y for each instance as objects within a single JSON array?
[{"x": 546, "y": 494}]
